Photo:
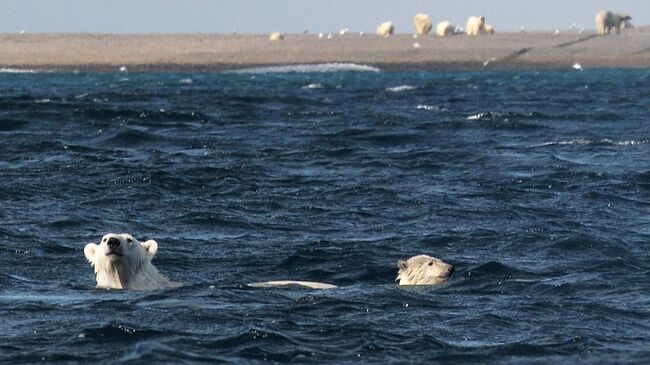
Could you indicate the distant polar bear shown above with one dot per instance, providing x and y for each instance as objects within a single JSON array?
[
  {"x": 423, "y": 270},
  {"x": 385, "y": 29},
  {"x": 607, "y": 20},
  {"x": 445, "y": 28},
  {"x": 422, "y": 24},
  {"x": 276, "y": 36},
  {"x": 627, "y": 24},
  {"x": 122, "y": 262},
  {"x": 475, "y": 25},
  {"x": 489, "y": 29}
]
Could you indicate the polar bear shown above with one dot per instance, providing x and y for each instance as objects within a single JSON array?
[
  {"x": 607, "y": 20},
  {"x": 276, "y": 36},
  {"x": 627, "y": 24},
  {"x": 418, "y": 270},
  {"x": 385, "y": 29},
  {"x": 423, "y": 270},
  {"x": 422, "y": 24},
  {"x": 445, "y": 28},
  {"x": 489, "y": 29},
  {"x": 122, "y": 262},
  {"x": 475, "y": 25}
]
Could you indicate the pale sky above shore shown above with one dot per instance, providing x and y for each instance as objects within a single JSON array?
[{"x": 295, "y": 16}]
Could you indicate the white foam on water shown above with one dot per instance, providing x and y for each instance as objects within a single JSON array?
[
  {"x": 313, "y": 86},
  {"x": 321, "y": 68},
  {"x": 400, "y": 88},
  {"x": 477, "y": 116},
  {"x": 589, "y": 142},
  {"x": 186, "y": 81},
  {"x": 21, "y": 71},
  {"x": 425, "y": 107},
  {"x": 489, "y": 116}
]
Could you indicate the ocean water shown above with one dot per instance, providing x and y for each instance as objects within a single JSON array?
[{"x": 534, "y": 184}]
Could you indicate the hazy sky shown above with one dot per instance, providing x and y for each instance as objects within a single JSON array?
[{"x": 294, "y": 16}]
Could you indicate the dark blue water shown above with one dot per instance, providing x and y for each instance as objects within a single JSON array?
[{"x": 535, "y": 185}]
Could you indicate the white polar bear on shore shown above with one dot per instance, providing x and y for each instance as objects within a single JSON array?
[
  {"x": 627, "y": 24},
  {"x": 422, "y": 24},
  {"x": 385, "y": 29},
  {"x": 445, "y": 28},
  {"x": 607, "y": 20},
  {"x": 276, "y": 36},
  {"x": 122, "y": 262},
  {"x": 475, "y": 25},
  {"x": 423, "y": 270}
]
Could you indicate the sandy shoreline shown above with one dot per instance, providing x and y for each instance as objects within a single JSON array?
[{"x": 90, "y": 52}]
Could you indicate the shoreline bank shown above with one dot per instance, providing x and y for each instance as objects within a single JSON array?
[{"x": 210, "y": 53}]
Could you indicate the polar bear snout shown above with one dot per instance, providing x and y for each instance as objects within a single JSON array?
[
  {"x": 113, "y": 243},
  {"x": 449, "y": 272},
  {"x": 113, "y": 246}
]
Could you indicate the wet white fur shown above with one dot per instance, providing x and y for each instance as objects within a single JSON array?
[
  {"x": 132, "y": 269},
  {"x": 423, "y": 270},
  {"x": 281, "y": 283},
  {"x": 418, "y": 270}
]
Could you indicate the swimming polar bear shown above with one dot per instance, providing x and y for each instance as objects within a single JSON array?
[
  {"x": 423, "y": 270},
  {"x": 418, "y": 270},
  {"x": 122, "y": 262}
]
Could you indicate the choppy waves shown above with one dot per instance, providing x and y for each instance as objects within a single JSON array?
[{"x": 537, "y": 194}]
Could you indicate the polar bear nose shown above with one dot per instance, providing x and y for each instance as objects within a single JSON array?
[
  {"x": 113, "y": 242},
  {"x": 450, "y": 270}
]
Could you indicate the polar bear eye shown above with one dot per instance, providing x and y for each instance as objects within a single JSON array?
[
  {"x": 129, "y": 240},
  {"x": 430, "y": 263}
]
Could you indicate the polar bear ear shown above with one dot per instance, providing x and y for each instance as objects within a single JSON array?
[
  {"x": 89, "y": 251},
  {"x": 402, "y": 265},
  {"x": 151, "y": 247}
]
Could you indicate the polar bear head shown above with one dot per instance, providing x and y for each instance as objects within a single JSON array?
[
  {"x": 120, "y": 259},
  {"x": 423, "y": 270}
]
